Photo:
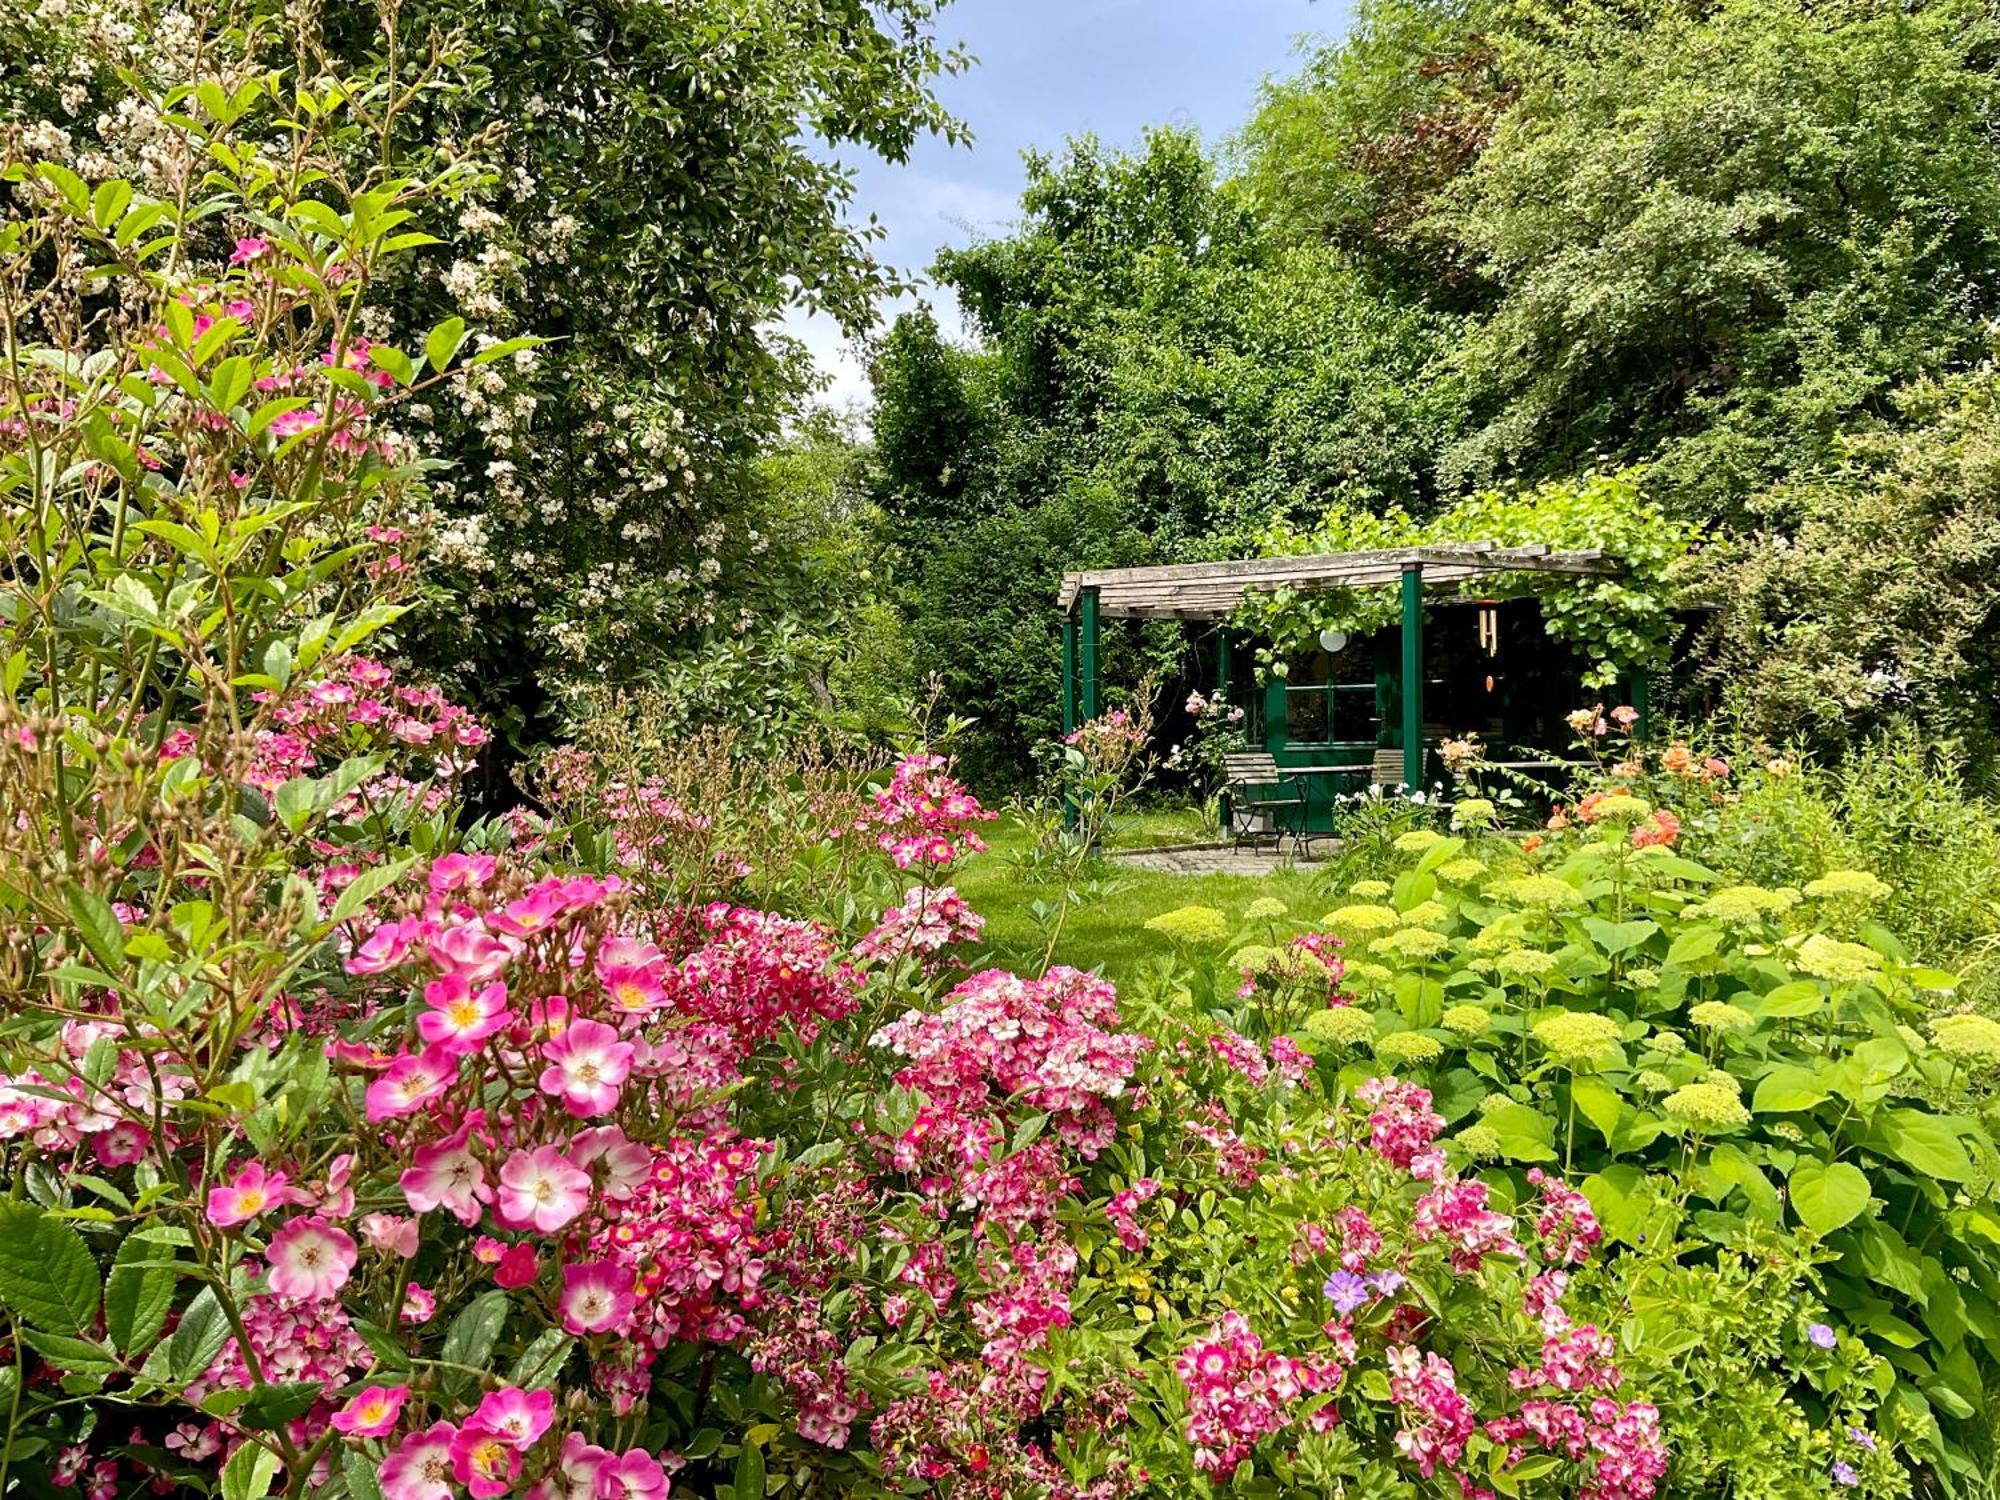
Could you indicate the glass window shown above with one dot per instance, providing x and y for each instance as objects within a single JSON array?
[{"x": 1331, "y": 699}]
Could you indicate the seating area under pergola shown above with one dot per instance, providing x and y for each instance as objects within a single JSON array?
[{"x": 1210, "y": 593}]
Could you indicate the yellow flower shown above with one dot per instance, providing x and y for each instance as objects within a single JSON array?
[
  {"x": 1190, "y": 925},
  {"x": 1364, "y": 975},
  {"x": 1362, "y": 919},
  {"x": 1419, "y": 841},
  {"x": 1577, "y": 1036},
  {"x": 1668, "y": 1043},
  {"x": 1744, "y": 905},
  {"x": 1369, "y": 890},
  {"x": 1468, "y": 1020},
  {"x": 1709, "y": 1106},
  {"x": 1720, "y": 1015},
  {"x": 1340, "y": 1026},
  {"x": 1264, "y": 908},
  {"x": 1505, "y": 931},
  {"x": 1408, "y": 1047},
  {"x": 1843, "y": 963},
  {"x": 1412, "y": 943},
  {"x": 1643, "y": 979},
  {"x": 1848, "y": 885},
  {"x": 1461, "y": 871},
  {"x": 1496, "y": 1100},
  {"x": 1426, "y": 914},
  {"x": 1534, "y": 890},
  {"x": 1617, "y": 807},
  {"x": 1525, "y": 963},
  {"x": 1652, "y": 1082},
  {"x": 1969, "y": 1038}
]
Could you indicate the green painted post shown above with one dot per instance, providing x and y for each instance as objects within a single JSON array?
[
  {"x": 1222, "y": 646},
  {"x": 1413, "y": 675},
  {"x": 1091, "y": 687},
  {"x": 1069, "y": 673}
]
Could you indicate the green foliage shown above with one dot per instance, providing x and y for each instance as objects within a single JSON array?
[
  {"x": 1615, "y": 622},
  {"x": 1759, "y": 1060}
]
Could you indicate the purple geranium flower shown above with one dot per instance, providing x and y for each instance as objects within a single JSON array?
[
  {"x": 1843, "y": 1473},
  {"x": 1820, "y": 1334},
  {"x": 1346, "y": 1290},
  {"x": 1862, "y": 1436}
]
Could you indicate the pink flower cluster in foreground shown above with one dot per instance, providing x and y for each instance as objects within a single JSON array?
[{"x": 923, "y": 818}]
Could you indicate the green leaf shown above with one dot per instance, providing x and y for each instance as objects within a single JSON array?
[
  {"x": 271, "y": 1406},
  {"x": 362, "y": 1483},
  {"x": 473, "y": 1334},
  {"x": 1598, "y": 1102},
  {"x": 1785, "y": 1090},
  {"x": 540, "y": 1361},
  {"x": 1732, "y": 1166},
  {"x": 138, "y": 1294},
  {"x": 71, "y": 1356},
  {"x": 366, "y": 886},
  {"x": 1926, "y": 1142},
  {"x": 1616, "y": 937},
  {"x": 47, "y": 1273},
  {"x": 198, "y": 1337},
  {"x": 501, "y": 350},
  {"x": 749, "y": 1478},
  {"x": 1802, "y": 997},
  {"x": 395, "y": 361},
  {"x": 98, "y": 925},
  {"x": 249, "y": 1472},
  {"x": 443, "y": 342},
  {"x": 1525, "y": 1134},
  {"x": 1694, "y": 944},
  {"x": 1826, "y": 1196}
]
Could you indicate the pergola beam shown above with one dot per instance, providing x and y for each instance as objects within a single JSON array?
[{"x": 1212, "y": 591}]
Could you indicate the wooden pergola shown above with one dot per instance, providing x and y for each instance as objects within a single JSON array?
[{"x": 1211, "y": 592}]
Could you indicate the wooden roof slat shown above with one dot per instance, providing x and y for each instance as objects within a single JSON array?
[{"x": 1212, "y": 590}]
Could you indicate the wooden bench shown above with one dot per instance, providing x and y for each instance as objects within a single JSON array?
[{"x": 1254, "y": 790}]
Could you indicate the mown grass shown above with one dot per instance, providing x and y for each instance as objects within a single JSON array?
[{"x": 1109, "y": 931}]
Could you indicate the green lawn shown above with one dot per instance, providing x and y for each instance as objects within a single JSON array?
[{"x": 1110, "y": 932}]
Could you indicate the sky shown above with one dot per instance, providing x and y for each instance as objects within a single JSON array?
[{"x": 1047, "y": 70}]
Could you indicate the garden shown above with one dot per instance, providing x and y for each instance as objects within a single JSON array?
[{"x": 436, "y": 1065}]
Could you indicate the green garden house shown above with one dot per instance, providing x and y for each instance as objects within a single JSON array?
[{"x": 1372, "y": 708}]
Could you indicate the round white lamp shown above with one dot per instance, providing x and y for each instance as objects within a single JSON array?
[{"x": 1331, "y": 641}]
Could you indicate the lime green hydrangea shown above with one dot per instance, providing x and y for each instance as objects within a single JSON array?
[
  {"x": 1408, "y": 1047},
  {"x": 1643, "y": 978},
  {"x": 1480, "y": 1142},
  {"x": 1369, "y": 890},
  {"x": 1720, "y": 1015},
  {"x": 1468, "y": 1020},
  {"x": 1843, "y": 963},
  {"x": 1191, "y": 925},
  {"x": 1462, "y": 871},
  {"x": 1967, "y": 1038},
  {"x": 1474, "y": 812},
  {"x": 1252, "y": 957},
  {"x": 1848, "y": 885},
  {"x": 1362, "y": 918},
  {"x": 1419, "y": 841},
  {"x": 1488, "y": 1103},
  {"x": 1652, "y": 1081},
  {"x": 1505, "y": 931},
  {"x": 1264, "y": 908},
  {"x": 1294, "y": 965},
  {"x": 1426, "y": 914},
  {"x": 1912, "y": 1038},
  {"x": 1723, "y": 1078},
  {"x": 1707, "y": 1106},
  {"x": 1668, "y": 1043},
  {"x": 1340, "y": 1026},
  {"x": 1618, "y": 807},
  {"x": 1367, "y": 976},
  {"x": 1577, "y": 1036},
  {"x": 1535, "y": 890},
  {"x": 1526, "y": 963},
  {"x": 1412, "y": 944},
  {"x": 1744, "y": 905}
]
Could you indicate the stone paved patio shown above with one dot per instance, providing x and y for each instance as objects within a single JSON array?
[{"x": 1219, "y": 859}]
